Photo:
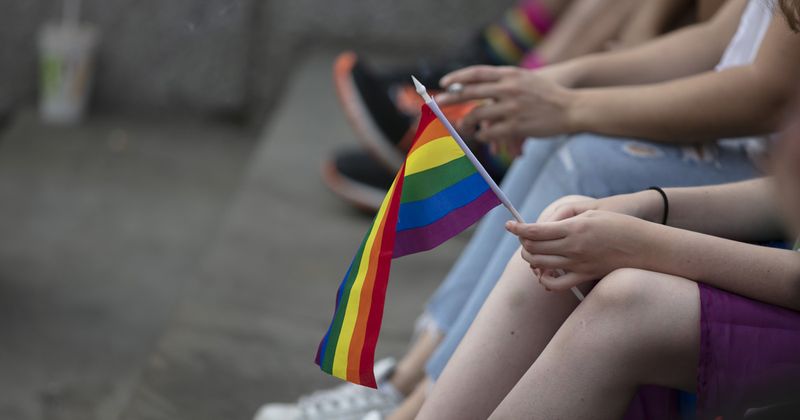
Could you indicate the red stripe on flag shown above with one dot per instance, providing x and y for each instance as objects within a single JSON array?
[{"x": 379, "y": 290}]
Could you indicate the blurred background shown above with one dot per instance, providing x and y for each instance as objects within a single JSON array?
[{"x": 168, "y": 251}]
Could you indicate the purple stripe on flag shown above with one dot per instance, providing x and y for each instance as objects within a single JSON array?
[{"x": 430, "y": 236}]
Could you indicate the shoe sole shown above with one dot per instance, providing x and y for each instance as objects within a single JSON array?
[
  {"x": 367, "y": 132},
  {"x": 363, "y": 197}
]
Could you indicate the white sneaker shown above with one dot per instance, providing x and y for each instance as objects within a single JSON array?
[{"x": 345, "y": 402}]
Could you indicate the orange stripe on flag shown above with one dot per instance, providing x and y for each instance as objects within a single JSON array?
[{"x": 359, "y": 332}]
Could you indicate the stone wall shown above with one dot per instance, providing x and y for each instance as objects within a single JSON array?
[{"x": 222, "y": 57}]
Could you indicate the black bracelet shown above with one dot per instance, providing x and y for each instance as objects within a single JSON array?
[{"x": 666, "y": 203}]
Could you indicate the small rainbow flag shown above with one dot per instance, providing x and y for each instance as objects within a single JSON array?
[{"x": 436, "y": 194}]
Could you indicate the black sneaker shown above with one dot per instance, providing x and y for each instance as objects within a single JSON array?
[
  {"x": 357, "y": 178},
  {"x": 369, "y": 104},
  {"x": 383, "y": 108}
]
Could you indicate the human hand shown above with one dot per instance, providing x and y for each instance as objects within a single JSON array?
[
  {"x": 647, "y": 205},
  {"x": 585, "y": 247},
  {"x": 517, "y": 103}
]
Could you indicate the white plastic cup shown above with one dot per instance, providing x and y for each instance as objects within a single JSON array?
[{"x": 66, "y": 60}]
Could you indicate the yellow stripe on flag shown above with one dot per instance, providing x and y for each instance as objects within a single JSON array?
[
  {"x": 351, "y": 313},
  {"x": 434, "y": 153}
]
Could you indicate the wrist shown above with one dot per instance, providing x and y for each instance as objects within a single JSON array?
[
  {"x": 651, "y": 206},
  {"x": 575, "y": 71},
  {"x": 578, "y": 111},
  {"x": 570, "y": 73}
]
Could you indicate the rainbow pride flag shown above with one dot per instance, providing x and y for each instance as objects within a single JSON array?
[{"x": 436, "y": 194}]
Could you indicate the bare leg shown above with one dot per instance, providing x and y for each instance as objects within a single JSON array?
[
  {"x": 516, "y": 323},
  {"x": 585, "y": 27},
  {"x": 555, "y": 7},
  {"x": 410, "y": 407},
  {"x": 410, "y": 370},
  {"x": 636, "y": 327}
]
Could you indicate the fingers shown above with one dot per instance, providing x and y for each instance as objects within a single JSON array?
[
  {"x": 556, "y": 247},
  {"x": 488, "y": 112},
  {"x": 562, "y": 282},
  {"x": 546, "y": 262},
  {"x": 500, "y": 131},
  {"x": 489, "y": 90},
  {"x": 477, "y": 74},
  {"x": 572, "y": 209},
  {"x": 538, "y": 231}
]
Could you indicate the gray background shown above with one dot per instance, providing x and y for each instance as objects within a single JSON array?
[
  {"x": 223, "y": 58},
  {"x": 176, "y": 255}
]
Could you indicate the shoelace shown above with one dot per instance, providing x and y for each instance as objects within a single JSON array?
[{"x": 341, "y": 400}]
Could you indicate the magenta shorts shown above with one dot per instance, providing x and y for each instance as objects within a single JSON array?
[{"x": 749, "y": 358}]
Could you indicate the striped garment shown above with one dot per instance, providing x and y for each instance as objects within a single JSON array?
[
  {"x": 521, "y": 28},
  {"x": 436, "y": 194}
]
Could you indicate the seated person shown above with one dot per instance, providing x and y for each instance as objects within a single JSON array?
[
  {"x": 676, "y": 115},
  {"x": 680, "y": 304},
  {"x": 382, "y": 106}
]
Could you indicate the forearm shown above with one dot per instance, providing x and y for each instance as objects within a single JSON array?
[
  {"x": 685, "y": 52},
  {"x": 651, "y": 19},
  {"x": 743, "y": 211},
  {"x": 698, "y": 108},
  {"x": 765, "y": 274},
  {"x": 585, "y": 27}
]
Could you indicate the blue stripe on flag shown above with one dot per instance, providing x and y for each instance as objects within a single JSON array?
[{"x": 424, "y": 212}]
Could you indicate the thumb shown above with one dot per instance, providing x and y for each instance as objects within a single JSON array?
[{"x": 514, "y": 227}]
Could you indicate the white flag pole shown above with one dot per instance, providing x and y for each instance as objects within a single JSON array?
[{"x": 485, "y": 175}]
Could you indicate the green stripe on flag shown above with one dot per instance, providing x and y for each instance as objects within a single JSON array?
[
  {"x": 336, "y": 326},
  {"x": 422, "y": 185}
]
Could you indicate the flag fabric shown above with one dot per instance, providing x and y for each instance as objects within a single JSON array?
[{"x": 436, "y": 194}]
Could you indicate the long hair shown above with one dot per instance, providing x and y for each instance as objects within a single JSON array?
[{"x": 791, "y": 10}]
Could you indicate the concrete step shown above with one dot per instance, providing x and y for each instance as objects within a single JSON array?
[
  {"x": 102, "y": 226},
  {"x": 247, "y": 331}
]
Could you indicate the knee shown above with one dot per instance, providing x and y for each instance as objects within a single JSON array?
[
  {"x": 622, "y": 289},
  {"x": 561, "y": 202}
]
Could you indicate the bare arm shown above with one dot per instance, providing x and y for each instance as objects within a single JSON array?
[
  {"x": 766, "y": 274},
  {"x": 691, "y": 50},
  {"x": 735, "y": 102},
  {"x": 650, "y": 19},
  {"x": 743, "y": 211},
  {"x": 735, "y": 210},
  {"x": 585, "y": 27}
]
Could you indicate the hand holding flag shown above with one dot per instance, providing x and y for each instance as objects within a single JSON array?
[{"x": 440, "y": 190}]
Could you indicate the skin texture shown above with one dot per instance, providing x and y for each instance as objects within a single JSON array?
[
  {"x": 410, "y": 370},
  {"x": 605, "y": 18},
  {"x": 585, "y": 27},
  {"x": 640, "y": 322},
  {"x": 608, "y": 346},
  {"x": 649, "y": 20},
  {"x": 702, "y": 106}
]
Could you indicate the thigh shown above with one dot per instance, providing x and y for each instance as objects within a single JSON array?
[
  {"x": 635, "y": 327},
  {"x": 516, "y": 322}
]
